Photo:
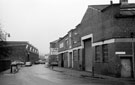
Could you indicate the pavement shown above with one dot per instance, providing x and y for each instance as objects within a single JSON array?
[
  {"x": 5, "y": 72},
  {"x": 8, "y": 71},
  {"x": 88, "y": 75}
]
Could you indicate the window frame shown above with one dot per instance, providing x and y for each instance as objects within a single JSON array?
[{"x": 105, "y": 53}]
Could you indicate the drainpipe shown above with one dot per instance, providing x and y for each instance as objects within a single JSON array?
[
  {"x": 132, "y": 36},
  {"x": 92, "y": 71}
]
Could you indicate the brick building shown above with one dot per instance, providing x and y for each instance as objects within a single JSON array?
[
  {"x": 63, "y": 51},
  {"x": 103, "y": 42},
  {"x": 22, "y": 51},
  {"x": 4, "y": 52},
  {"x": 53, "y": 56}
]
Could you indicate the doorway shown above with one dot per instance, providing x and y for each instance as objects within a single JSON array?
[
  {"x": 70, "y": 59},
  {"x": 126, "y": 67},
  {"x": 62, "y": 60},
  {"x": 88, "y": 55}
]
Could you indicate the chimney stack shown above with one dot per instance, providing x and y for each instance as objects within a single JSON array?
[
  {"x": 123, "y": 2},
  {"x": 111, "y": 2}
]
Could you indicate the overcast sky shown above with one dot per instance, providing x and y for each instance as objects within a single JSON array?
[{"x": 42, "y": 21}]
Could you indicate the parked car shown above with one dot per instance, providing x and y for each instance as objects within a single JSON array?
[
  {"x": 54, "y": 63},
  {"x": 20, "y": 63},
  {"x": 14, "y": 63},
  {"x": 42, "y": 62},
  {"x": 36, "y": 62},
  {"x": 28, "y": 64}
]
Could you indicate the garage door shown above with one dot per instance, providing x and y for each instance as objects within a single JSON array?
[{"x": 88, "y": 54}]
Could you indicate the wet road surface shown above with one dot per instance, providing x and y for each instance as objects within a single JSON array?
[{"x": 40, "y": 75}]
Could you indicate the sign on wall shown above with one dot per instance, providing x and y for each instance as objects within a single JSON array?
[{"x": 120, "y": 53}]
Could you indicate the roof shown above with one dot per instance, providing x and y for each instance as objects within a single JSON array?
[
  {"x": 60, "y": 39},
  {"x": 128, "y": 6},
  {"x": 54, "y": 41},
  {"x": 102, "y": 7},
  {"x": 127, "y": 10},
  {"x": 98, "y": 7},
  {"x": 17, "y": 42}
]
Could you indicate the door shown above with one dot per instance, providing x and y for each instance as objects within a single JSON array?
[
  {"x": 70, "y": 59},
  {"x": 126, "y": 67},
  {"x": 62, "y": 60},
  {"x": 88, "y": 55}
]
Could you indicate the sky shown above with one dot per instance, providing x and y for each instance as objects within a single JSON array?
[{"x": 42, "y": 21}]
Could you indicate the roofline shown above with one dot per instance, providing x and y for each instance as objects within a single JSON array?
[
  {"x": 62, "y": 38},
  {"x": 90, "y": 6},
  {"x": 22, "y": 43},
  {"x": 18, "y": 41},
  {"x": 94, "y": 8},
  {"x": 55, "y": 41},
  {"x": 109, "y": 6}
]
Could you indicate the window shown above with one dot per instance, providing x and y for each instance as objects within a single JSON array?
[
  {"x": 26, "y": 46},
  {"x": 75, "y": 33},
  {"x": 65, "y": 56},
  {"x": 75, "y": 55},
  {"x": 79, "y": 54},
  {"x": 105, "y": 53},
  {"x": 61, "y": 45},
  {"x": 97, "y": 54},
  {"x": 66, "y": 43},
  {"x": 70, "y": 34},
  {"x": 30, "y": 48},
  {"x": 75, "y": 42}
]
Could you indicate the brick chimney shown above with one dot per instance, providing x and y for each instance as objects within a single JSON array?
[
  {"x": 123, "y": 2},
  {"x": 111, "y": 2}
]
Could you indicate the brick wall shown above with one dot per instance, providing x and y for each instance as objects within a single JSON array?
[
  {"x": 112, "y": 66},
  {"x": 4, "y": 65},
  {"x": 63, "y": 44},
  {"x": 104, "y": 25},
  {"x": 18, "y": 53}
]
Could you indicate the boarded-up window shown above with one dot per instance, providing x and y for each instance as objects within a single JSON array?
[
  {"x": 78, "y": 54},
  {"x": 65, "y": 56},
  {"x": 105, "y": 53},
  {"x": 97, "y": 54},
  {"x": 75, "y": 53},
  {"x": 52, "y": 45},
  {"x": 66, "y": 43}
]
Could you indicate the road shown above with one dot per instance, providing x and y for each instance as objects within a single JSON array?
[{"x": 40, "y": 75}]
